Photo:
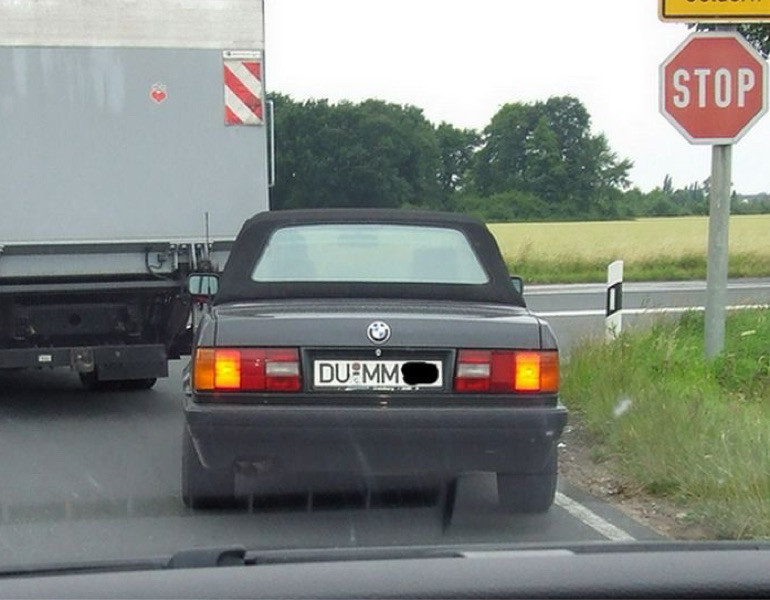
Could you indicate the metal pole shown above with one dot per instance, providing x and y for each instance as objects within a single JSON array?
[
  {"x": 719, "y": 224},
  {"x": 719, "y": 221}
]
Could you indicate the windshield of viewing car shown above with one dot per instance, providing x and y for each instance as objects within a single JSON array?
[{"x": 370, "y": 254}]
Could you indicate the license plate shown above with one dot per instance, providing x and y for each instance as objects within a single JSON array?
[{"x": 377, "y": 374}]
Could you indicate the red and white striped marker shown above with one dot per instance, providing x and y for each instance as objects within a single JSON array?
[{"x": 243, "y": 89}]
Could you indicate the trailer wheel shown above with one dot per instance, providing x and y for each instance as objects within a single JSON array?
[
  {"x": 92, "y": 382},
  {"x": 137, "y": 384}
]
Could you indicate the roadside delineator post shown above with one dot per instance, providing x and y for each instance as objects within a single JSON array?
[{"x": 614, "y": 305}]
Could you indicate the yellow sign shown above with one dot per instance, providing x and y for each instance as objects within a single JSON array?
[{"x": 724, "y": 11}]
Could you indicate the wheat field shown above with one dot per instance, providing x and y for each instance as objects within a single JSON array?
[{"x": 641, "y": 239}]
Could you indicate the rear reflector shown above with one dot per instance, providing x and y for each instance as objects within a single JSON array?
[
  {"x": 247, "y": 369},
  {"x": 501, "y": 371}
]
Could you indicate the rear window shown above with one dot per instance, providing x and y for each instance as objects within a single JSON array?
[{"x": 369, "y": 254}]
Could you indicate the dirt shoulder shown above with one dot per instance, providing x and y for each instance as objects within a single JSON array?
[{"x": 601, "y": 479}]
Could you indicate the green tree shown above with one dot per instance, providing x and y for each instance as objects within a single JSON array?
[
  {"x": 504, "y": 206},
  {"x": 546, "y": 149},
  {"x": 500, "y": 163},
  {"x": 757, "y": 34},
  {"x": 544, "y": 168},
  {"x": 456, "y": 150},
  {"x": 371, "y": 154},
  {"x": 666, "y": 201},
  {"x": 668, "y": 185},
  {"x": 692, "y": 199}
]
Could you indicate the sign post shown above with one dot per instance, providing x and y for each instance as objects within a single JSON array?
[
  {"x": 713, "y": 89},
  {"x": 716, "y": 271}
]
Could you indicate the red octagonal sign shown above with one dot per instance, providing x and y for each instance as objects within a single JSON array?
[{"x": 713, "y": 87}]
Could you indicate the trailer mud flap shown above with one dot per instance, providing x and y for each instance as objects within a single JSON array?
[{"x": 130, "y": 362}]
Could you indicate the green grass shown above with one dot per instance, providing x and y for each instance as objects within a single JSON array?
[
  {"x": 676, "y": 425},
  {"x": 576, "y": 269},
  {"x": 652, "y": 249}
]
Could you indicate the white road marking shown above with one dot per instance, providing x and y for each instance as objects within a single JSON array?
[
  {"x": 636, "y": 287},
  {"x": 594, "y": 521},
  {"x": 640, "y": 311}
]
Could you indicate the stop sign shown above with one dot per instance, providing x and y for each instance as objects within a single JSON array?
[{"x": 713, "y": 87}]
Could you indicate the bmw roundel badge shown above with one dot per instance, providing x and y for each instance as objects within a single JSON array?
[{"x": 378, "y": 332}]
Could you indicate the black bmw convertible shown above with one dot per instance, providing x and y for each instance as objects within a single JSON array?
[{"x": 368, "y": 349}]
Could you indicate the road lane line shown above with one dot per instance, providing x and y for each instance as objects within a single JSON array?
[
  {"x": 640, "y": 311},
  {"x": 630, "y": 289},
  {"x": 633, "y": 288},
  {"x": 594, "y": 521}
]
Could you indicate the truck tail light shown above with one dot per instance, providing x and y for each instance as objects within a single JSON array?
[
  {"x": 247, "y": 369},
  {"x": 500, "y": 371}
]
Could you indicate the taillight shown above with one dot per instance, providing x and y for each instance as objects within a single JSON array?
[
  {"x": 498, "y": 371},
  {"x": 247, "y": 369},
  {"x": 227, "y": 369}
]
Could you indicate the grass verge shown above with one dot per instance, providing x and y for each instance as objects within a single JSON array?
[
  {"x": 571, "y": 269},
  {"x": 675, "y": 425}
]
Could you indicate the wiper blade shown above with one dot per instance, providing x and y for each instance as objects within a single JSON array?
[
  {"x": 488, "y": 550},
  {"x": 229, "y": 556},
  {"x": 184, "y": 559},
  {"x": 239, "y": 556},
  {"x": 67, "y": 568}
]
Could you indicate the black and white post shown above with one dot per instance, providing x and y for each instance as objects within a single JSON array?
[{"x": 614, "y": 305}]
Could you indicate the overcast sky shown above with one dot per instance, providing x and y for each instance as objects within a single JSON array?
[{"x": 461, "y": 60}]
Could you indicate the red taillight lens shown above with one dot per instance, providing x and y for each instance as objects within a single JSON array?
[
  {"x": 247, "y": 369},
  {"x": 499, "y": 371}
]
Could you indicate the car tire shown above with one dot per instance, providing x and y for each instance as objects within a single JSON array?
[
  {"x": 530, "y": 492},
  {"x": 204, "y": 488},
  {"x": 92, "y": 383}
]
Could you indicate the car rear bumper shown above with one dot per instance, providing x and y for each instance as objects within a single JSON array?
[{"x": 275, "y": 441}]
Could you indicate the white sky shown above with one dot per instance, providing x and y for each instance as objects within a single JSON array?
[{"x": 461, "y": 60}]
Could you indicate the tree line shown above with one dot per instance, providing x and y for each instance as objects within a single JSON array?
[{"x": 533, "y": 161}]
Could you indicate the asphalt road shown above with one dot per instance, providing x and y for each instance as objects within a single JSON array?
[{"x": 91, "y": 476}]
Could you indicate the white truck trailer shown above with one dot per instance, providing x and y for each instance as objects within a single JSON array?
[{"x": 134, "y": 141}]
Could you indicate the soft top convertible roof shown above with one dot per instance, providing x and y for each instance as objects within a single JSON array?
[{"x": 237, "y": 286}]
